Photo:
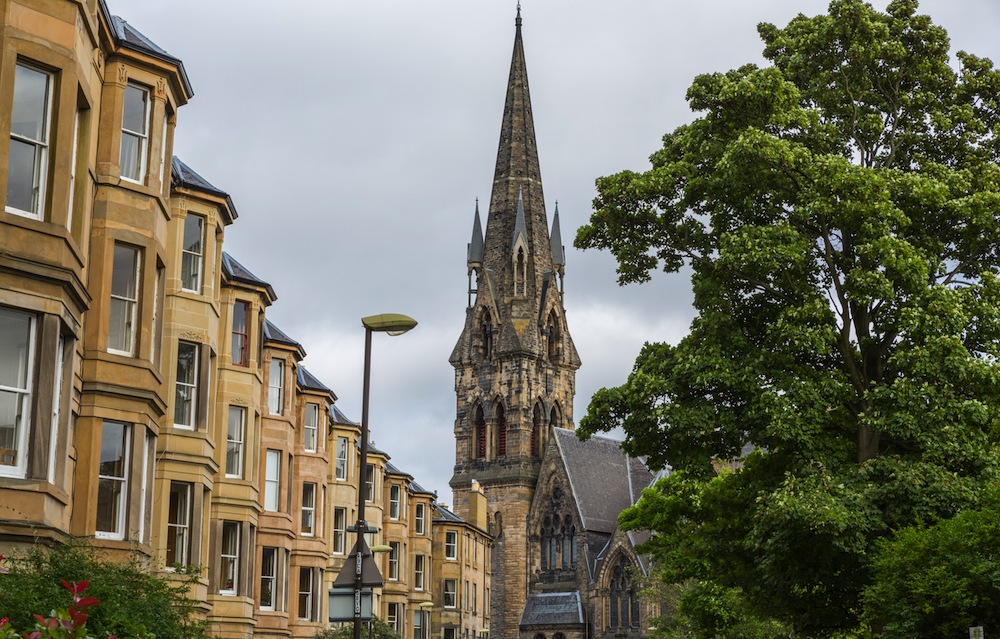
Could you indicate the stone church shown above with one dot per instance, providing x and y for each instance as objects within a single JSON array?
[{"x": 561, "y": 567}]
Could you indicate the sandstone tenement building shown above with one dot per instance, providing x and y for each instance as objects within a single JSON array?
[
  {"x": 147, "y": 403},
  {"x": 561, "y": 568}
]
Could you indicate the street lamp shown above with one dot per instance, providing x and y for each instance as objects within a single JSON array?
[{"x": 393, "y": 324}]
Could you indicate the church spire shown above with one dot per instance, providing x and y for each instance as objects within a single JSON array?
[{"x": 517, "y": 182}]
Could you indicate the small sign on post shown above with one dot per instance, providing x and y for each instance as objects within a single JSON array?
[{"x": 976, "y": 632}]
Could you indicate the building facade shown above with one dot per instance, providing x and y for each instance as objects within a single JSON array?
[
  {"x": 147, "y": 403},
  {"x": 515, "y": 369}
]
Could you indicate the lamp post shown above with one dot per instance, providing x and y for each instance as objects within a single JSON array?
[{"x": 393, "y": 324}]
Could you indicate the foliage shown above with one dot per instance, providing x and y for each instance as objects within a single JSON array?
[
  {"x": 133, "y": 602},
  {"x": 940, "y": 580},
  {"x": 66, "y": 623},
  {"x": 381, "y": 630},
  {"x": 838, "y": 210}
]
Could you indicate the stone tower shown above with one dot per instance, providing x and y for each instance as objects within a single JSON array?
[{"x": 515, "y": 362}]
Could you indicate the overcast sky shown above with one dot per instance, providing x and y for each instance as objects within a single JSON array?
[{"x": 355, "y": 137}]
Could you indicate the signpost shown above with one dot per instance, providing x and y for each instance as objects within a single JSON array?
[{"x": 351, "y": 595}]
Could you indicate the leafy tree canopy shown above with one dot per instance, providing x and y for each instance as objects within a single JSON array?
[{"x": 838, "y": 210}]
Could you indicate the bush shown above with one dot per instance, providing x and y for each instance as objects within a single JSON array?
[{"x": 133, "y": 603}]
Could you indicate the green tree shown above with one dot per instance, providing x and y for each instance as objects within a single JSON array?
[
  {"x": 938, "y": 581},
  {"x": 133, "y": 603},
  {"x": 838, "y": 210}
]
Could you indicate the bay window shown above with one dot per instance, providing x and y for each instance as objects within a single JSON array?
[
  {"x": 192, "y": 252},
  {"x": 112, "y": 482},
  {"x": 394, "y": 501},
  {"x": 179, "y": 525},
  {"x": 339, "y": 530},
  {"x": 124, "y": 299},
  {"x": 230, "y": 558},
  {"x": 186, "y": 386},
  {"x": 17, "y": 345},
  {"x": 341, "y": 459},
  {"x": 311, "y": 427},
  {"x": 234, "y": 441},
  {"x": 27, "y": 162},
  {"x": 135, "y": 132},
  {"x": 241, "y": 333},
  {"x": 276, "y": 386},
  {"x": 308, "y": 509},
  {"x": 272, "y": 479},
  {"x": 268, "y": 577}
]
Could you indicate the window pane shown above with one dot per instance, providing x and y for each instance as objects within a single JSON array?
[
  {"x": 191, "y": 256},
  {"x": 178, "y": 524},
  {"x": 268, "y": 573},
  {"x": 123, "y": 298},
  {"x": 272, "y": 481},
  {"x": 186, "y": 387},
  {"x": 112, "y": 480},
  {"x": 234, "y": 443},
  {"x": 23, "y": 173},
  {"x": 240, "y": 334},
  {"x": 230, "y": 556},
  {"x": 134, "y": 109},
  {"x": 30, "y": 106}
]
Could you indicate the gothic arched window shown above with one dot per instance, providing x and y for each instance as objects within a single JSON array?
[
  {"x": 479, "y": 434},
  {"x": 567, "y": 542},
  {"x": 486, "y": 336},
  {"x": 500, "y": 424},
  {"x": 554, "y": 337},
  {"x": 536, "y": 432},
  {"x": 624, "y": 598}
]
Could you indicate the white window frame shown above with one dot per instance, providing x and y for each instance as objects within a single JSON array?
[
  {"x": 310, "y": 434},
  {"x": 142, "y": 137},
  {"x": 56, "y": 407},
  {"x": 272, "y": 480},
  {"x": 190, "y": 386},
  {"x": 240, "y": 342},
  {"x": 231, "y": 531},
  {"x": 339, "y": 530},
  {"x": 276, "y": 387},
  {"x": 451, "y": 591},
  {"x": 394, "y": 548},
  {"x": 235, "y": 442},
  {"x": 179, "y": 530},
  {"x": 394, "y": 491},
  {"x": 308, "y": 527},
  {"x": 306, "y": 599},
  {"x": 193, "y": 256},
  {"x": 25, "y": 353},
  {"x": 130, "y": 304},
  {"x": 341, "y": 464},
  {"x": 392, "y": 615},
  {"x": 72, "y": 171},
  {"x": 418, "y": 572},
  {"x": 370, "y": 483},
  {"x": 451, "y": 545},
  {"x": 268, "y": 575},
  {"x": 419, "y": 519},
  {"x": 121, "y": 481},
  {"x": 41, "y": 168}
]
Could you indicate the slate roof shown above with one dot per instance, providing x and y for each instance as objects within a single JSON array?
[
  {"x": 339, "y": 417},
  {"x": 239, "y": 273},
  {"x": 308, "y": 381},
  {"x": 391, "y": 469},
  {"x": 603, "y": 479},
  {"x": 417, "y": 488},
  {"x": 183, "y": 175},
  {"x": 129, "y": 37},
  {"x": 443, "y": 514},
  {"x": 274, "y": 334},
  {"x": 552, "y": 609}
]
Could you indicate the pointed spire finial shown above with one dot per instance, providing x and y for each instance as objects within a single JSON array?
[{"x": 517, "y": 22}]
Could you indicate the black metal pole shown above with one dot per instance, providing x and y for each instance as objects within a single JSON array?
[{"x": 362, "y": 482}]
